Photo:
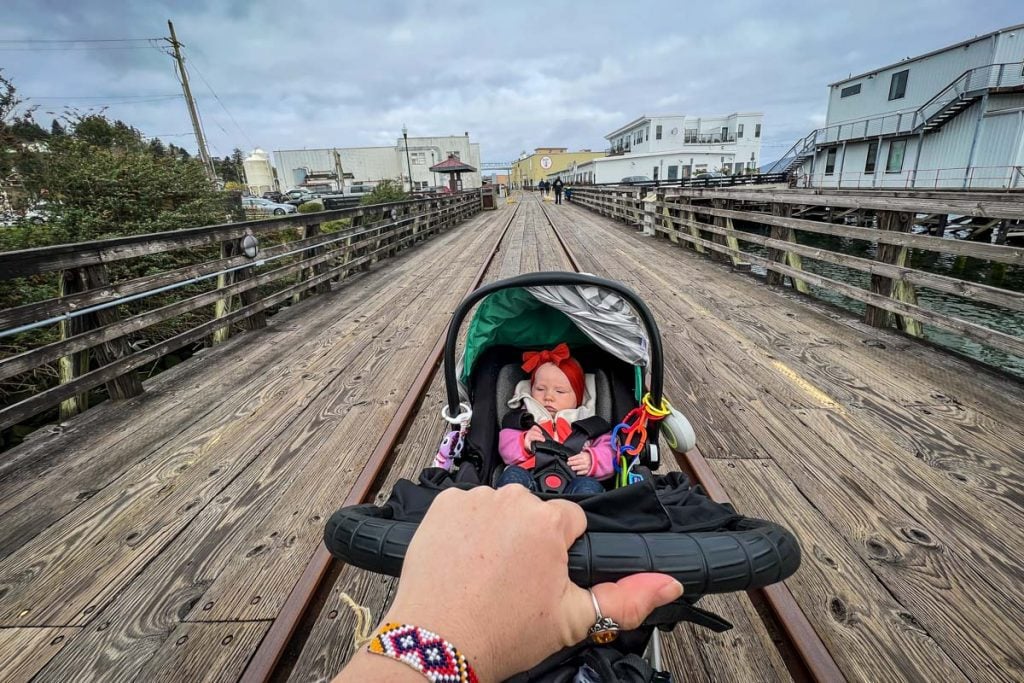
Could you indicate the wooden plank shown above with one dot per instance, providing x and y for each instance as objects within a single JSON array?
[
  {"x": 985, "y": 204},
  {"x": 871, "y": 636},
  {"x": 979, "y": 333},
  {"x": 972, "y": 290},
  {"x": 26, "y": 650},
  {"x": 225, "y": 449},
  {"x": 73, "y": 483},
  {"x": 990, "y": 252},
  {"x": 204, "y": 652}
]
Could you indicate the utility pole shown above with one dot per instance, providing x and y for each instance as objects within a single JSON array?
[
  {"x": 204, "y": 155},
  {"x": 405, "y": 136}
]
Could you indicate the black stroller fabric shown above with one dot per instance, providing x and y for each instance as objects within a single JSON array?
[{"x": 661, "y": 503}]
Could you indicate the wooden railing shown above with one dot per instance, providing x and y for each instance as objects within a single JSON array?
[
  {"x": 235, "y": 274},
  {"x": 704, "y": 221}
]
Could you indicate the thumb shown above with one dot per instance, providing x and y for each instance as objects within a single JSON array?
[{"x": 628, "y": 601}]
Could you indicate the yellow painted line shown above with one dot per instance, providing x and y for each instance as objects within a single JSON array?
[{"x": 808, "y": 388}]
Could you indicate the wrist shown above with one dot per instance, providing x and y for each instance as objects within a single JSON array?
[{"x": 455, "y": 627}]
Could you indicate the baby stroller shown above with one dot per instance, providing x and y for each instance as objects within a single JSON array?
[{"x": 642, "y": 522}]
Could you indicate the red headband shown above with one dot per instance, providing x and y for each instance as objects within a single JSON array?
[{"x": 559, "y": 356}]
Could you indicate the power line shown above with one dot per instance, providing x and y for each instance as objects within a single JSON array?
[
  {"x": 76, "y": 40},
  {"x": 74, "y": 49},
  {"x": 100, "y": 97},
  {"x": 216, "y": 97}
]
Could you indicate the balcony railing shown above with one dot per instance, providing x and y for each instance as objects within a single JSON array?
[{"x": 707, "y": 138}]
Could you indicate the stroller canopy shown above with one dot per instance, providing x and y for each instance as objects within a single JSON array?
[{"x": 535, "y": 317}]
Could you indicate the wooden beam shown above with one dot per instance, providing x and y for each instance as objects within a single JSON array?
[
  {"x": 991, "y": 252},
  {"x": 889, "y": 253}
]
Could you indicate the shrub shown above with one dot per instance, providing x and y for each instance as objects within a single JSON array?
[
  {"x": 311, "y": 207},
  {"x": 385, "y": 192}
]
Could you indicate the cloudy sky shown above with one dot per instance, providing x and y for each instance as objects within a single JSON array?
[{"x": 515, "y": 75}]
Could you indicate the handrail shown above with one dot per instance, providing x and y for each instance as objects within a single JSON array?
[
  {"x": 107, "y": 320},
  {"x": 700, "y": 219}
]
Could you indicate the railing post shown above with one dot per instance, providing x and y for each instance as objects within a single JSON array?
[
  {"x": 222, "y": 307},
  {"x": 900, "y": 290},
  {"x": 729, "y": 241},
  {"x": 128, "y": 384},
  {"x": 692, "y": 219},
  {"x": 76, "y": 364},
  {"x": 306, "y": 273},
  {"x": 256, "y": 320},
  {"x": 794, "y": 261}
]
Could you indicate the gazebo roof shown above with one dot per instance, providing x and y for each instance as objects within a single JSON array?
[{"x": 452, "y": 165}]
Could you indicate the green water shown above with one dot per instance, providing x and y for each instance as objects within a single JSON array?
[{"x": 961, "y": 267}]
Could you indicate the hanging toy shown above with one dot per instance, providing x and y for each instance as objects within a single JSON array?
[
  {"x": 449, "y": 451},
  {"x": 629, "y": 438}
]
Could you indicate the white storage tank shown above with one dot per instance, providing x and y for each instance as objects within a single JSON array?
[{"x": 259, "y": 174}]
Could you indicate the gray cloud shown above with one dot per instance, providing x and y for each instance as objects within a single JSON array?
[{"x": 312, "y": 74}]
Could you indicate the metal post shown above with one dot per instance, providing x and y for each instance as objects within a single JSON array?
[{"x": 408, "y": 160}]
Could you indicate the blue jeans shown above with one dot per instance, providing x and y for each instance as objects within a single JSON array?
[{"x": 517, "y": 475}]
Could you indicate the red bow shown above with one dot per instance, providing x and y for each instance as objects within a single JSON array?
[{"x": 534, "y": 359}]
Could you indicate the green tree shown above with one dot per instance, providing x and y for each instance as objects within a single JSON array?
[{"x": 386, "y": 191}]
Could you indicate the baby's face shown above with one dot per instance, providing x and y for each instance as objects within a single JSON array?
[{"x": 552, "y": 390}]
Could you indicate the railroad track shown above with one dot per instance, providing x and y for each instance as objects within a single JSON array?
[{"x": 803, "y": 651}]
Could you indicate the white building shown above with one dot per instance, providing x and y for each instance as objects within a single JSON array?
[
  {"x": 671, "y": 147},
  {"x": 949, "y": 118},
  {"x": 331, "y": 168}
]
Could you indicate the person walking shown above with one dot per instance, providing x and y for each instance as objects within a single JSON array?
[{"x": 557, "y": 187}]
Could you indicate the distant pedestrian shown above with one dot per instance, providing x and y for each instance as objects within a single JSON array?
[{"x": 557, "y": 187}]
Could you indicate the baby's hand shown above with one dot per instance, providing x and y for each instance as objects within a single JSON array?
[
  {"x": 533, "y": 434},
  {"x": 580, "y": 463}
]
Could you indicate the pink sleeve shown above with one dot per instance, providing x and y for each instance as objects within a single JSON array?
[
  {"x": 602, "y": 457},
  {"x": 510, "y": 446}
]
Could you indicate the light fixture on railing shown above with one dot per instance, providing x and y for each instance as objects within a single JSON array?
[{"x": 250, "y": 245}]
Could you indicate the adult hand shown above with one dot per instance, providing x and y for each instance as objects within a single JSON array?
[
  {"x": 580, "y": 463},
  {"x": 488, "y": 571}
]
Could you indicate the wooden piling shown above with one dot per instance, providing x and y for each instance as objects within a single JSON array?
[
  {"x": 790, "y": 258},
  {"x": 76, "y": 364},
  {"x": 901, "y": 290}
]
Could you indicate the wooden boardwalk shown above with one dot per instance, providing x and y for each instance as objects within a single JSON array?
[{"x": 158, "y": 538}]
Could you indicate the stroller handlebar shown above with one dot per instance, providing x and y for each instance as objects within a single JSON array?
[{"x": 755, "y": 554}]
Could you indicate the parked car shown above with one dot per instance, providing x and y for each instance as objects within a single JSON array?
[
  {"x": 358, "y": 190},
  {"x": 266, "y": 207},
  {"x": 630, "y": 179},
  {"x": 299, "y": 196},
  {"x": 710, "y": 174},
  {"x": 274, "y": 196}
]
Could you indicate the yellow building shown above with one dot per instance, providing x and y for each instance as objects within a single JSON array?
[{"x": 533, "y": 168}]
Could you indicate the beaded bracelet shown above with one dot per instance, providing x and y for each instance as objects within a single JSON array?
[{"x": 423, "y": 650}]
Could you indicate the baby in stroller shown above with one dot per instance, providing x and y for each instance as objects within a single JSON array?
[{"x": 551, "y": 407}]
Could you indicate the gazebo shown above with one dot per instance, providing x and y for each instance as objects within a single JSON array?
[{"x": 454, "y": 167}]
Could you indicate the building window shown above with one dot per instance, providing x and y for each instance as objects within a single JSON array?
[
  {"x": 647, "y": 134},
  {"x": 830, "y": 161},
  {"x": 757, "y": 130},
  {"x": 673, "y": 171},
  {"x": 690, "y": 135},
  {"x": 418, "y": 157},
  {"x": 739, "y": 131},
  {"x": 894, "y": 162},
  {"x": 869, "y": 163},
  {"x": 655, "y": 173},
  {"x": 657, "y": 132},
  {"x": 898, "y": 84},
  {"x": 853, "y": 90},
  {"x": 453, "y": 154},
  {"x": 725, "y": 134}
]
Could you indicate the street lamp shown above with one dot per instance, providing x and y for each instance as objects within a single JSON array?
[
  {"x": 408, "y": 160},
  {"x": 433, "y": 162}
]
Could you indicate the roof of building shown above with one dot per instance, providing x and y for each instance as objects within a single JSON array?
[
  {"x": 975, "y": 39},
  {"x": 452, "y": 165}
]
